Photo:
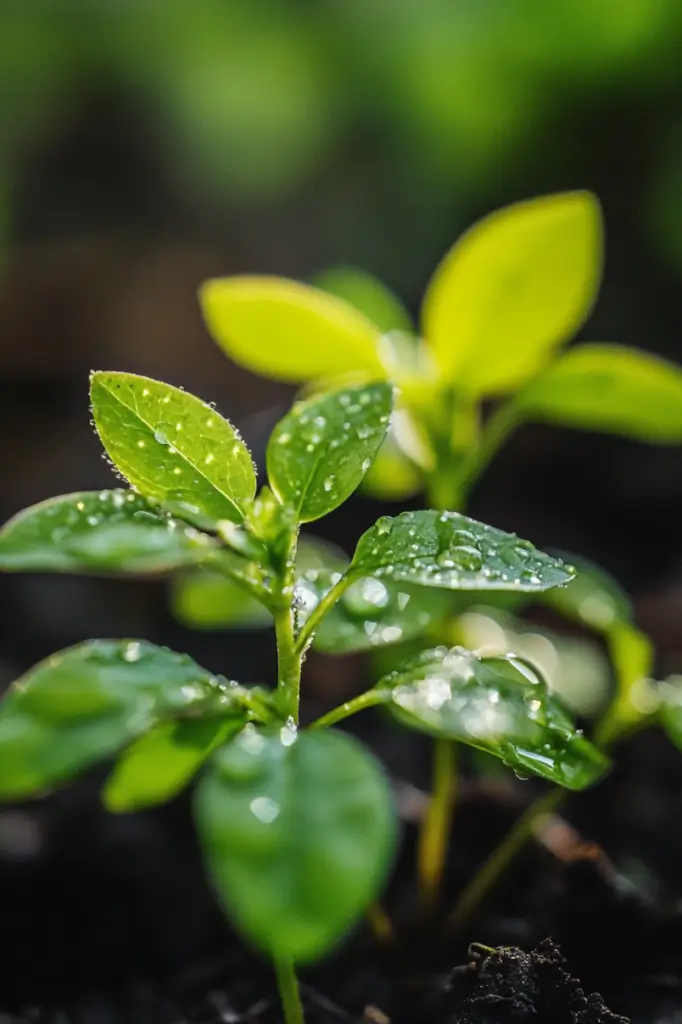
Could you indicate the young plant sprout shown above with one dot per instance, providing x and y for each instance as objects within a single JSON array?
[
  {"x": 297, "y": 825},
  {"x": 495, "y": 318}
]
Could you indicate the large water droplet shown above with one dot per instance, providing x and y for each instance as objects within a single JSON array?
[
  {"x": 160, "y": 436},
  {"x": 467, "y": 557}
]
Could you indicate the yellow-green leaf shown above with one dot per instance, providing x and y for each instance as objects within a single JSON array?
[
  {"x": 369, "y": 295},
  {"x": 610, "y": 388},
  {"x": 515, "y": 286},
  {"x": 287, "y": 330}
]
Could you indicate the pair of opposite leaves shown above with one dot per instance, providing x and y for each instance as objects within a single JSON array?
[{"x": 514, "y": 289}]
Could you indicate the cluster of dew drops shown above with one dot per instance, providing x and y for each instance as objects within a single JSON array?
[
  {"x": 456, "y": 548},
  {"x": 348, "y": 435}
]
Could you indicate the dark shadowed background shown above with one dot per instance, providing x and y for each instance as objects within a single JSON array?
[{"x": 146, "y": 145}]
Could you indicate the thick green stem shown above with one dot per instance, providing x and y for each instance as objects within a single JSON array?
[
  {"x": 500, "y": 859},
  {"x": 289, "y": 994},
  {"x": 289, "y": 657},
  {"x": 435, "y": 830}
]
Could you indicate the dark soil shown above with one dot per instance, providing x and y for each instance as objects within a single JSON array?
[{"x": 107, "y": 931}]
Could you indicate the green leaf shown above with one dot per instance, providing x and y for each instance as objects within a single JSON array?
[
  {"x": 173, "y": 447},
  {"x": 446, "y": 549},
  {"x": 209, "y": 600},
  {"x": 518, "y": 284},
  {"x": 287, "y": 330},
  {"x": 497, "y": 704},
  {"x": 369, "y": 295},
  {"x": 99, "y": 531},
  {"x": 592, "y": 598},
  {"x": 321, "y": 450},
  {"x": 81, "y": 705},
  {"x": 160, "y": 764},
  {"x": 297, "y": 834},
  {"x": 609, "y": 388}
]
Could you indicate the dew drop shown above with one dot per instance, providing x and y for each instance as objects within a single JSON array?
[
  {"x": 132, "y": 652},
  {"x": 160, "y": 437},
  {"x": 328, "y": 483}
]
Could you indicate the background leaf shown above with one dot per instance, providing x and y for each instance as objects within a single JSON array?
[
  {"x": 499, "y": 705},
  {"x": 297, "y": 834},
  {"x": 160, "y": 764},
  {"x": 320, "y": 451},
  {"x": 593, "y": 598},
  {"x": 173, "y": 447},
  {"x": 609, "y": 388},
  {"x": 446, "y": 549},
  {"x": 287, "y": 330},
  {"x": 516, "y": 285},
  {"x": 632, "y": 657},
  {"x": 367, "y": 294},
  {"x": 81, "y": 705},
  {"x": 99, "y": 531},
  {"x": 209, "y": 600}
]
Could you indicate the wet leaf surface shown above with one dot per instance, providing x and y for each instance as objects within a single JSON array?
[
  {"x": 496, "y": 704},
  {"x": 298, "y": 835},
  {"x": 321, "y": 450},
  {"x": 81, "y": 705},
  {"x": 446, "y": 549},
  {"x": 99, "y": 531},
  {"x": 173, "y": 447}
]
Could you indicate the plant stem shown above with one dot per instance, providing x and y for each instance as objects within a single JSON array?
[
  {"x": 488, "y": 875},
  {"x": 289, "y": 657},
  {"x": 479, "y": 456},
  {"x": 289, "y": 994},
  {"x": 435, "y": 830},
  {"x": 351, "y": 707},
  {"x": 319, "y": 612}
]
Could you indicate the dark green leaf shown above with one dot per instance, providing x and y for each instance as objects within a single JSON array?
[
  {"x": 592, "y": 598},
  {"x": 610, "y": 388},
  {"x": 297, "y": 835},
  {"x": 445, "y": 549},
  {"x": 81, "y": 705},
  {"x": 160, "y": 764},
  {"x": 497, "y": 704},
  {"x": 99, "y": 531},
  {"x": 319, "y": 453},
  {"x": 210, "y": 600},
  {"x": 173, "y": 447}
]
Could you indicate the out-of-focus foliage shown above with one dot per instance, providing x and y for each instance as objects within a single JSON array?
[{"x": 253, "y": 97}]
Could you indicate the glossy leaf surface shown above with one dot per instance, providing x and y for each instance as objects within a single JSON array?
[
  {"x": 321, "y": 450},
  {"x": 497, "y": 704},
  {"x": 297, "y": 835},
  {"x": 287, "y": 330},
  {"x": 99, "y": 531},
  {"x": 609, "y": 388},
  {"x": 81, "y": 705},
  {"x": 368, "y": 295},
  {"x": 160, "y": 764},
  {"x": 446, "y": 549},
  {"x": 173, "y": 447},
  {"x": 519, "y": 283}
]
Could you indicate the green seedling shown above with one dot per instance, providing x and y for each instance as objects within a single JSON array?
[
  {"x": 297, "y": 825},
  {"x": 495, "y": 319}
]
